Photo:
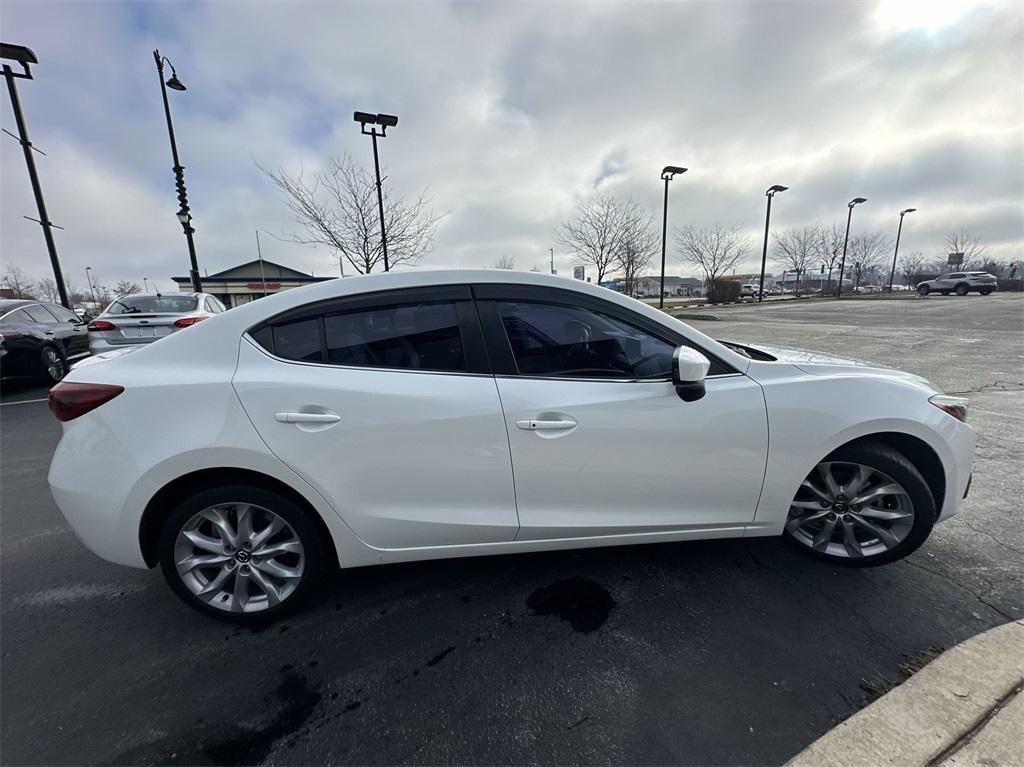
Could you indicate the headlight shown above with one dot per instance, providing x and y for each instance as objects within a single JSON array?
[{"x": 955, "y": 406}]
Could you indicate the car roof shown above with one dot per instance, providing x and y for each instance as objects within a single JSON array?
[{"x": 6, "y": 304}]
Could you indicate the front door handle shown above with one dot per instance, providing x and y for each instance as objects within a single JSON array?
[
  {"x": 535, "y": 425},
  {"x": 306, "y": 417}
]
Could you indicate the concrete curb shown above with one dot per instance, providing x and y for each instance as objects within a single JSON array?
[{"x": 961, "y": 709}]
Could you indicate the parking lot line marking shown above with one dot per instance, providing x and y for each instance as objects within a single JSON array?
[{"x": 23, "y": 401}]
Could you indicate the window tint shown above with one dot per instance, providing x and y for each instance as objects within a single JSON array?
[
  {"x": 556, "y": 340},
  {"x": 153, "y": 304},
  {"x": 298, "y": 340},
  {"x": 62, "y": 314},
  {"x": 39, "y": 314},
  {"x": 421, "y": 336},
  {"x": 17, "y": 316}
]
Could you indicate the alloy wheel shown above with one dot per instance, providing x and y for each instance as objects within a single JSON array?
[
  {"x": 239, "y": 558},
  {"x": 850, "y": 510},
  {"x": 53, "y": 363}
]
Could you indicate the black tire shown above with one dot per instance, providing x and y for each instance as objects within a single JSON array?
[
  {"x": 889, "y": 461},
  {"x": 984, "y": 292},
  {"x": 312, "y": 543},
  {"x": 924, "y": 290},
  {"x": 961, "y": 289},
  {"x": 48, "y": 355}
]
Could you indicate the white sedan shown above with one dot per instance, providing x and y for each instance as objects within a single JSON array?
[{"x": 423, "y": 415}]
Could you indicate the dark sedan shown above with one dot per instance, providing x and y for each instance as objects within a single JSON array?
[{"x": 39, "y": 339}]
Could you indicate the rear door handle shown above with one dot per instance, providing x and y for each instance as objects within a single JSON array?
[
  {"x": 535, "y": 425},
  {"x": 306, "y": 417}
]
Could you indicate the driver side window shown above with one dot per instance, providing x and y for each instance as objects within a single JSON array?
[{"x": 567, "y": 341}]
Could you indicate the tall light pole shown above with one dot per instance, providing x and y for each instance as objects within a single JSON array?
[
  {"x": 842, "y": 263},
  {"x": 768, "y": 217},
  {"x": 184, "y": 215},
  {"x": 552, "y": 251},
  {"x": 385, "y": 122},
  {"x": 145, "y": 282},
  {"x": 899, "y": 231},
  {"x": 24, "y": 56},
  {"x": 666, "y": 175},
  {"x": 92, "y": 291}
]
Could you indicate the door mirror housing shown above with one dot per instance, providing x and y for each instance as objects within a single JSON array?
[{"x": 689, "y": 369}]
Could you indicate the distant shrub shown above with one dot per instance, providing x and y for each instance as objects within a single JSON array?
[{"x": 1011, "y": 285}]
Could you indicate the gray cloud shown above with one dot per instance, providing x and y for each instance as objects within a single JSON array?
[{"x": 511, "y": 113}]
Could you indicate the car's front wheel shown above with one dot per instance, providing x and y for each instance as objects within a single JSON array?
[
  {"x": 924, "y": 290},
  {"x": 865, "y": 504},
  {"x": 240, "y": 553},
  {"x": 961, "y": 290}
]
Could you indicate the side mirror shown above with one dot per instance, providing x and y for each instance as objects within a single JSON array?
[{"x": 689, "y": 369}]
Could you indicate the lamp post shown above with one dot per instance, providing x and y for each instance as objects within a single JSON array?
[
  {"x": 767, "y": 217},
  {"x": 145, "y": 283},
  {"x": 24, "y": 56},
  {"x": 842, "y": 263},
  {"x": 666, "y": 175},
  {"x": 899, "y": 231},
  {"x": 184, "y": 216},
  {"x": 92, "y": 291},
  {"x": 385, "y": 122}
]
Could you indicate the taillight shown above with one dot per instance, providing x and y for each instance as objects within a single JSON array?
[
  {"x": 70, "y": 400},
  {"x": 102, "y": 325},
  {"x": 184, "y": 322}
]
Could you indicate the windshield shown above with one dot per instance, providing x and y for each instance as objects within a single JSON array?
[{"x": 153, "y": 305}]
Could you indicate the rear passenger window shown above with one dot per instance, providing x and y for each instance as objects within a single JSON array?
[
  {"x": 298, "y": 340},
  {"x": 39, "y": 314},
  {"x": 412, "y": 336},
  {"x": 421, "y": 336}
]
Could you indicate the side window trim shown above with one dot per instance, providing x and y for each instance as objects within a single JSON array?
[
  {"x": 474, "y": 348},
  {"x": 499, "y": 347}
]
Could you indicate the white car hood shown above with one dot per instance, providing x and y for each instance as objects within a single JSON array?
[{"x": 823, "y": 363}]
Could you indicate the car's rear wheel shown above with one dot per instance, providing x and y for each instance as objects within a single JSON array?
[
  {"x": 924, "y": 290},
  {"x": 863, "y": 505},
  {"x": 53, "y": 364},
  {"x": 961, "y": 290},
  {"x": 240, "y": 553}
]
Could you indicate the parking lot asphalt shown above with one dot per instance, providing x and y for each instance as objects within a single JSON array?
[{"x": 723, "y": 652}]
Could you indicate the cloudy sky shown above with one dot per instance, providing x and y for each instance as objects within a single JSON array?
[{"x": 512, "y": 113}]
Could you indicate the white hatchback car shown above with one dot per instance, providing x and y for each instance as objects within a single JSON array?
[{"x": 422, "y": 415}]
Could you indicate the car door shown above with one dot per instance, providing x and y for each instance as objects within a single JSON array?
[
  {"x": 601, "y": 442},
  {"x": 385, "y": 404},
  {"x": 71, "y": 330}
]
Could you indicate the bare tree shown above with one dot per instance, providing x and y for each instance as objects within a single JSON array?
[
  {"x": 337, "y": 208},
  {"x": 865, "y": 253},
  {"x": 639, "y": 245},
  {"x": 126, "y": 288},
  {"x": 830, "y": 247},
  {"x": 20, "y": 284},
  {"x": 798, "y": 249},
  {"x": 913, "y": 268},
  {"x": 505, "y": 262},
  {"x": 968, "y": 244},
  {"x": 596, "y": 232},
  {"x": 716, "y": 250},
  {"x": 46, "y": 289}
]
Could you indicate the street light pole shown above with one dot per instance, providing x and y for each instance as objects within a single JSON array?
[
  {"x": 846, "y": 239},
  {"x": 92, "y": 291},
  {"x": 899, "y": 231},
  {"x": 666, "y": 174},
  {"x": 385, "y": 122},
  {"x": 25, "y": 57},
  {"x": 767, "y": 217},
  {"x": 184, "y": 215},
  {"x": 552, "y": 251}
]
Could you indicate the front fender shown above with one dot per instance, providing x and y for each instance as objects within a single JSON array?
[{"x": 810, "y": 416}]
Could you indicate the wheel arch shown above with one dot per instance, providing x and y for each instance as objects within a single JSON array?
[
  {"x": 168, "y": 497},
  {"x": 915, "y": 450}
]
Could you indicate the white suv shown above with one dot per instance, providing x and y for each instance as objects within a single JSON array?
[{"x": 960, "y": 283}]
